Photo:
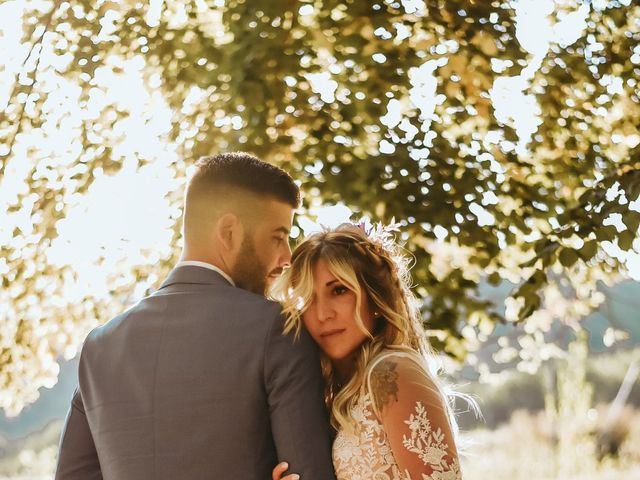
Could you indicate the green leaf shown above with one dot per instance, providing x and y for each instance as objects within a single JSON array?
[
  {"x": 568, "y": 257},
  {"x": 625, "y": 240},
  {"x": 632, "y": 221},
  {"x": 531, "y": 304},
  {"x": 588, "y": 250},
  {"x": 494, "y": 278},
  {"x": 606, "y": 232}
]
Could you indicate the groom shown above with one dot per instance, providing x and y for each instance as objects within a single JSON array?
[{"x": 197, "y": 380}]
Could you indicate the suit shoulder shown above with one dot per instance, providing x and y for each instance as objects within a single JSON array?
[
  {"x": 245, "y": 299},
  {"x": 106, "y": 329},
  {"x": 98, "y": 333}
]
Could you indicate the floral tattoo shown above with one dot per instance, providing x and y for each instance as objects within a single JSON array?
[{"x": 384, "y": 384}]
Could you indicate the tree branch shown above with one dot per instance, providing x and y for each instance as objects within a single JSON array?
[{"x": 38, "y": 42}]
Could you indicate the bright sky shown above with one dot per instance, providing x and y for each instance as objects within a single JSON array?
[{"x": 125, "y": 217}]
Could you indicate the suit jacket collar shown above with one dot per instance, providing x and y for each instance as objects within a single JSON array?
[{"x": 194, "y": 275}]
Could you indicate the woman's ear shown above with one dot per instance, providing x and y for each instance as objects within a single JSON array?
[
  {"x": 229, "y": 232},
  {"x": 379, "y": 322}
]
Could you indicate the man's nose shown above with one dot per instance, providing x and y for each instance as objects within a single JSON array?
[{"x": 285, "y": 258}]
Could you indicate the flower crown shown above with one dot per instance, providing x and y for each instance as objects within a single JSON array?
[
  {"x": 380, "y": 234},
  {"x": 383, "y": 243}
]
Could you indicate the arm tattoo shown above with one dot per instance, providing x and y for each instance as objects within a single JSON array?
[{"x": 384, "y": 384}]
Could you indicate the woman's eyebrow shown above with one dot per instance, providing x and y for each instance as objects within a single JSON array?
[{"x": 331, "y": 282}]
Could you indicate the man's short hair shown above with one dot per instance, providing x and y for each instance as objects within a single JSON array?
[
  {"x": 238, "y": 181},
  {"x": 230, "y": 173}
]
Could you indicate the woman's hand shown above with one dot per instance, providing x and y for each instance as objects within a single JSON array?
[{"x": 280, "y": 469}]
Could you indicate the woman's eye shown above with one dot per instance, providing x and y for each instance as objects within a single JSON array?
[{"x": 339, "y": 290}]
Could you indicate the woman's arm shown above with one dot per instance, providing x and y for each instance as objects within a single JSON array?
[{"x": 414, "y": 417}]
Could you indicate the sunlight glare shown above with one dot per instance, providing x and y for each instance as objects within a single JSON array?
[
  {"x": 325, "y": 217},
  {"x": 120, "y": 219}
]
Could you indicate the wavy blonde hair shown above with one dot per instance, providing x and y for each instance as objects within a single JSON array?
[{"x": 372, "y": 265}]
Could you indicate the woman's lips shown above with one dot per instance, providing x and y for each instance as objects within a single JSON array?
[{"x": 331, "y": 333}]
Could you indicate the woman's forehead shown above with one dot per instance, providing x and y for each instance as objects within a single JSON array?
[
  {"x": 325, "y": 271},
  {"x": 322, "y": 271}
]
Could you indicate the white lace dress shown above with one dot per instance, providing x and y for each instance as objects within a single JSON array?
[{"x": 400, "y": 428}]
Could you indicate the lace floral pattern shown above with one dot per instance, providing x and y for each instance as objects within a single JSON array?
[
  {"x": 365, "y": 453},
  {"x": 430, "y": 446}
]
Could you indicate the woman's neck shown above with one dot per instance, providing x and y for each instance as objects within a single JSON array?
[{"x": 345, "y": 368}]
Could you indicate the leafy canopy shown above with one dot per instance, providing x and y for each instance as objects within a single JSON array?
[{"x": 398, "y": 109}]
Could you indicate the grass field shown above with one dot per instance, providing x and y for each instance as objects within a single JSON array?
[
  {"x": 526, "y": 449},
  {"x": 522, "y": 449}
]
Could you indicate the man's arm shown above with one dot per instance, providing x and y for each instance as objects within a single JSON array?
[
  {"x": 295, "y": 387},
  {"x": 77, "y": 457}
]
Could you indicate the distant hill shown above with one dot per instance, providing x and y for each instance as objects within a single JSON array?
[
  {"x": 51, "y": 406},
  {"x": 621, "y": 308}
]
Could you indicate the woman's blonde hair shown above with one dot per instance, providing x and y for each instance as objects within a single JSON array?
[{"x": 372, "y": 266}]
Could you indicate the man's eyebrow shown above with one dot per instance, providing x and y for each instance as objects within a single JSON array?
[{"x": 284, "y": 230}]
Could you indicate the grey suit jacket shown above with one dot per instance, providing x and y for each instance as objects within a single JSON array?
[{"x": 196, "y": 381}]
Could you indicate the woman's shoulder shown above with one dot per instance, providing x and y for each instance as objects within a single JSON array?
[
  {"x": 396, "y": 372},
  {"x": 391, "y": 358}
]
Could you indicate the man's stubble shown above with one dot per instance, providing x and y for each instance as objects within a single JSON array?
[{"x": 249, "y": 273}]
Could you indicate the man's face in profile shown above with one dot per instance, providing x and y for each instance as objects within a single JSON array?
[{"x": 265, "y": 247}]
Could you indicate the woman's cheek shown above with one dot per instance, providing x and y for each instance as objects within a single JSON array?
[{"x": 308, "y": 324}]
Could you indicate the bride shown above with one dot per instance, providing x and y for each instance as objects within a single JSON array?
[{"x": 350, "y": 290}]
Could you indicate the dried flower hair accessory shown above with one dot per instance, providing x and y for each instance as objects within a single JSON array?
[{"x": 380, "y": 233}]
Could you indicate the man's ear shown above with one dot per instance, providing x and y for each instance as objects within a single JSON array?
[{"x": 229, "y": 232}]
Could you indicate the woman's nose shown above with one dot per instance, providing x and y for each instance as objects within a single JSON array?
[{"x": 323, "y": 310}]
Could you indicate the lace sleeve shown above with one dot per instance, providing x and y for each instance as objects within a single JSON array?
[{"x": 413, "y": 415}]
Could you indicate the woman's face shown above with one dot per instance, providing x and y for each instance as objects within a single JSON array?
[{"x": 330, "y": 318}]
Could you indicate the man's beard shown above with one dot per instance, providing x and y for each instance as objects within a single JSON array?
[{"x": 249, "y": 273}]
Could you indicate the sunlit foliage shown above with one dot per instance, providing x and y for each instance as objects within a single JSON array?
[{"x": 402, "y": 109}]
